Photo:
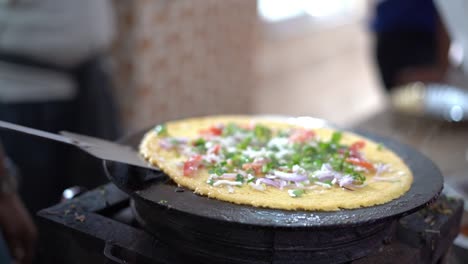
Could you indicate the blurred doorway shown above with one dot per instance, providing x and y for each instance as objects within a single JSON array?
[{"x": 313, "y": 59}]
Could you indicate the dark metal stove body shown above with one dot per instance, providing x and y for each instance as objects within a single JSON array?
[{"x": 100, "y": 226}]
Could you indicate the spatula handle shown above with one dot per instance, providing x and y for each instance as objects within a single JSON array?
[{"x": 36, "y": 132}]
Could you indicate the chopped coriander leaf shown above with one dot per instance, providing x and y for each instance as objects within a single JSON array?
[
  {"x": 199, "y": 141},
  {"x": 323, "y": 146},
  {"x": 161, "y": 130},
  {"x": 251, "y": 180},
  {"x": 256, "y": 148},
  {"x": 262, "y": 133},
  {"x": 210, "y": 181},
  {"x": 329, "y": 182},
  {"x": 294, "y": 160},
  {"x": 199, "y": 145},
  {"x": 308, "y": 150},
  {"x": 218, "y": 170},
  {"x": 238, "y": 160},
  {"x": 358, "y": 177},
  {"x": 244, "y": 143},
  {"x": 200, "y": 149},
  {"x": 283, "y": 133},
  {"x": 336, "y": 137},
  {"x": 298, "y": 192},
  {"x": 317, "y": 164},
  {"x": 274, "y": 161},
  {"x": 380, "y": 147},
  {"x": 230, "y": 129},
  {"x": 229, "y": 155},
  {"x": 273, "y": 148},
  {"x": 267, "y": 167},
  {"x": 239, "y": 178}
]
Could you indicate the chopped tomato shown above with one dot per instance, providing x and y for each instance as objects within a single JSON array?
[
  {"x": 192, "y": 165},
  {"x": 361, "y": 163},
  {"x": 216, "y": 149},
  {"x": 301, "y": 135},
  {"x": 256, "y": 167},
  {"x": 214, "y": 131},
  {"x": 357, "y": 145}
]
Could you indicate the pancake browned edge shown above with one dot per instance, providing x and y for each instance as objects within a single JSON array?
[{"x": 398, "y": 179}]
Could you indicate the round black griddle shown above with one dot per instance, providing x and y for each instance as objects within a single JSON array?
[{"x": 224, "y": 232}]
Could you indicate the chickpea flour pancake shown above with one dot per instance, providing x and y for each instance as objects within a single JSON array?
[{"x": 271, "y": 163}]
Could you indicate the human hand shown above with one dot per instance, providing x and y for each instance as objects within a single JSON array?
[{"x": 18, "y": 228}]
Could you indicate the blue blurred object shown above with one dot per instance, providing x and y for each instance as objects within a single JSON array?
[
  {"x": 4, "y": 252},
  {"x": 404, "y": 15}
]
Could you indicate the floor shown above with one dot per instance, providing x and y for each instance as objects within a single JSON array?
[{"x": 324, "y": 71}]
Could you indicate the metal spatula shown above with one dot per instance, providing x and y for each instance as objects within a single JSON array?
[{"x": 99, "y": 148}]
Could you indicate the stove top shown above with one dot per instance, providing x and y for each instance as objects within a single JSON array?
[{"x": 99, "y": 227}]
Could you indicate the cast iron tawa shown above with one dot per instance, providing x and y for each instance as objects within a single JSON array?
[
  {"x": 213, "y": 231},
  {"x": 159, "y": 190}
]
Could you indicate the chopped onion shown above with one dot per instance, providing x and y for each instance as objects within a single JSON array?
[
  {"x": 269, "y": 182},
  {"x": 283, "y": 183},
  {"x": 228, "y": 176},
  {"x": 179, "y": 140},
  {"x": 165, "y": 144},
  {"x": 323, "y": 184},
  {"x": 290, "y": 176},
  {"x": 346, "y": 181},
  {"x": 387, "y": 179},
  {"x": 298, "y": 169},
  {"x": 298, "y": 184},
  {"x": 326, "y": 167},
  {"x": 359, "y": 185},
  {"x": 258, "y": 187},
  {"x": 212, "y": 158},
  {"x": 324, "y": 176},
  {"x": 309, "y": 187},
  {"x": 380, "y": 168},
  {"x": 326, "y": 173},
  {"x": 226, "y": 182}
]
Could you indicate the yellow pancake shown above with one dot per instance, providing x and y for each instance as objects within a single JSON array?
[{"x": 397, "y": 180}]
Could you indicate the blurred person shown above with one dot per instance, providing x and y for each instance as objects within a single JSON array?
[
  {"x": 453, "y": 13},
  {"x": 17, "y": 231},
  {"x": 411, "y": 43},
  {"x": 53, "y": 77}
]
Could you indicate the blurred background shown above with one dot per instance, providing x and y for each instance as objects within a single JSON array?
[
  {"x": 183, "y": 58},
  {"x": 112, "y": 67},
  {"x": 340, "y": 60}
]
